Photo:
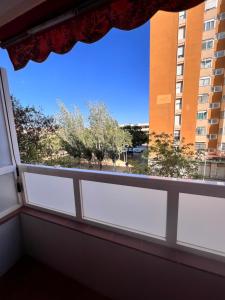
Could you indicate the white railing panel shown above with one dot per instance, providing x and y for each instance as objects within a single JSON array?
[
  {"x": 51, "y": 192},
  {"x": 201, "y": 222},
  {"x": 135, "y": 209},
  {"x": 8, "y": 193}
]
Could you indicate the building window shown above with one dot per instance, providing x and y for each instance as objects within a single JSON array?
[
  {"x": 179, "y": 87},
  {"x": 217, "y": 88},
  {"x": 222, "y": 147},
  {"x": 204, "y": 81},
  {"x": 221, "y": 16},
  {"x": 203, "y": 98},
  {"x": 180, "y": 51},
  {"x": 207, "y": 44},
  {"x": 202, "y": 115},
  {"x": 223, "y": 98},
  {"x": 181, "y": 33},
  {"x": 219, "y": 53},
  {"x": 212, "y": 136},
  {"x": 214, "y": 105},
  {"x": 222, "y": 114},
  {"x": 209, "y": 4},
  {"x": 209, "y": 25},
  {"x": 206, "y": 63},
  {"x": 177, "y": 120},
  {"x": 201, "y": 131},
  {"x": 213, "y": 121},
  {"x": 177, "y": 135},
  {"x": 220, "y": 35},
  {"x": 182, "y": 15},
  {"x": 200, "y": 146},
  {"x": 219, "y": 71},
  {"x": 180, "y": 69},
  {"x": 222, "y": 131},
  {"x": 178, "y": 104}
]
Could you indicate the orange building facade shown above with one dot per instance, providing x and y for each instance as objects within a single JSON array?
[{"x": 187, "y": 66}]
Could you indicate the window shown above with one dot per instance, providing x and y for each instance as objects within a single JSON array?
[
  {"x": 201, "y": 131},
  {"x": 219, "y": 54},
  {"x": 212, "y": 136},
  {"x": 182, "y": 15},
  {"x": 180, "y": 51},
  {"x": 219, "y": 71},
  {"x": 223, "y": 98},
  {"x": 179, "y": 87},
  {"x": 203, "y": 98},
  {"x": 222, "y": 147},
  {"x": 200, "y": 146},
  {"x": 202, "y": 115},
  {"x": 220, "y": 35},
  {"x": 209, "y": 4},
  {"x": 222, "y": 114},
  {"x": 209, "y": 25},
  {"x": 206, "y": 63},
  {"x": 181, "y": 33},
  {"x": 222, "y": 131},
  {"x": 177, "y": 120},
  {"x": 217, "y": 88},
  {"x": 207, "y": 44},
  {"x": 213, "y": 121},
  {"x": 177, "y": 135},
  {"x": 221, "y": 16},
  {"x": 178, "y": 104},
  {"x": 204, "y": 81},
  {"x": 180, "y": 69},
  {"x": 214, "y": 105}
]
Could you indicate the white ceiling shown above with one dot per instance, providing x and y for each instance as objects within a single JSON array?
[{"x": 11, "y": 9}]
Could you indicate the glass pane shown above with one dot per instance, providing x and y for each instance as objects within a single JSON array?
[
  {"x": 131, "y": 208},
  {"x": 52, "y": 192},
  {"x": 8, "y": 194},
  {"x": 201, "y": 222},
  {"x": 5, "y": 157}
]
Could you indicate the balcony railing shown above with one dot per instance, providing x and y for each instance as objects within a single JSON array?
[{"x": 181, "y": 214}]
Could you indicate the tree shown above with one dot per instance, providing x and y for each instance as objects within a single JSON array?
[
  {"x": 106, "y": 136},
  {"x": 139, "y": 137},
  {"x": 166, "y": 158},
  {"x": 32, "y": 126}
]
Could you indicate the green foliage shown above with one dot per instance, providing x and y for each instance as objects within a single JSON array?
[
  {"x": 102, "y": 137},
  {"x": 34, "y": 130},
  {"x": 138, "y": 137},
  {"x": 166, "y": 158}
]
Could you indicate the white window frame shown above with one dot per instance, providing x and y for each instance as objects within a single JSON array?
[
  {"x": 210, "y": 4},
  {"x": 214, "y": 105},
  {"x": 213, "y": 121},
  {"x": 210, "y": 21},
  {"x": 203, "y": 80},
  {"x": 203, "y": 112},
  {"x": 200, "y": 148},
  {"x": 180, "y": 89},
  {"x": 212, "y": 136},
  {"x": 201, "y": 96},
  {"x": 180, "y": 55},
  {"x": 219, "y": 71},
  {"x": 221, "y": 16},
  {"x": 207, "y": 42},
  {"x": 206, "y": 61},
  {"x": 220, "y": 35},
  {"x": 182, "y": 15},
  {"x": 178, "y": 104},
  {"x": 181, "y": 33},
  {"x": 220, "y": 53},
  {"x": 217, "y": 88},
  {"x": 180, "y": 69},
  {"x": 201, "y": 130},
  {"x": 222, "y": 114}
]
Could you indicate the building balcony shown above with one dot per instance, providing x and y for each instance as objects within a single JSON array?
[{"x": 106, "y": 229}]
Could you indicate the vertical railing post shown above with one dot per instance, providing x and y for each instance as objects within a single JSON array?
[
  {"x": 172, "y": 217},
  {"x": 77, "y": 196}
]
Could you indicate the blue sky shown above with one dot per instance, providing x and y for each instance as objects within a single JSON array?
[{"x": 114, "y": 70}]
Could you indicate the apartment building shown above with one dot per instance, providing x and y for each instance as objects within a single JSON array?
[{"x": 187, "y": 61}]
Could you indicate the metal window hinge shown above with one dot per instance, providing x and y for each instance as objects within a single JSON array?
[{"x": 19, "y": 187}]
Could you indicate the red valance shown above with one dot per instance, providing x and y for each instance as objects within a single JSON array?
[{"x": 90, "y": 27}]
